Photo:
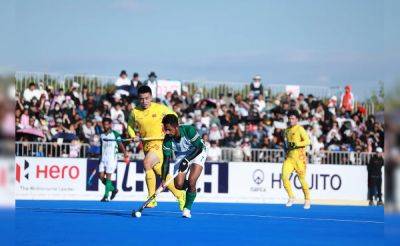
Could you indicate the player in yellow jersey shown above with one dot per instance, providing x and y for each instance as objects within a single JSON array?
[
  {"x": 296, "y": 140},
  {"x": 147, "y": 118}
]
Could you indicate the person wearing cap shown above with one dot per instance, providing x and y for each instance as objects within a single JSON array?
[
  {"x": 256, "y": 86},
  {"x": 123, "y": 84},
  {"x": 374, "y": 168},
  {"x": 152, "y": 83},
  {"x": 296, "y": 141}
]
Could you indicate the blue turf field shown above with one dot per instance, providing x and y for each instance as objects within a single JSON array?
[{"x": 95, "y": 223}]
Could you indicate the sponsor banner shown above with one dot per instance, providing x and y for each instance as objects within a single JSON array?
[
  {"x": 261, "y": 182},
  {"x": 77, "y": 179},
  {"x": 49, "y": 178},
  {"x": 164, "y": 86},
  {"x": 130, "y": 180}
]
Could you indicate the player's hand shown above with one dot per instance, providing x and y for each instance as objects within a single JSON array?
[
  {"x": 183, "y": 165},
  {"x": 126, "y": 158},
  {"x": 163, "y": 184},
  {"x": 292, "y": 145}
]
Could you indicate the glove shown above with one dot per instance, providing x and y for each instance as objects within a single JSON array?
[
  {"x": 292, "y": 145},
  {"x": 183, "y": 165}
]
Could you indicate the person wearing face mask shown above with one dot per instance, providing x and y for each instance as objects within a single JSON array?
[{"x": 256, "y": 86}]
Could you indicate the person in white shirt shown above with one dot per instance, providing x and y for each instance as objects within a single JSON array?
[
  {"x": 88, "y": 130},
  {"x": 116, "y": 112},
  {"x": 152, "y": 83},
  {"x": 215, "y": 134},
  {"x": 214, "y": 152},
  {"x": 123, "y": 84},
  {"x": 260, "y": 103},
  {"x": 31, "y": 92}
]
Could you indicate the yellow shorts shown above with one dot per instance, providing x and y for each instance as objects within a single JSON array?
[
  {"x": 156, "y": 148},
  {"x": 298, "y": 164}
]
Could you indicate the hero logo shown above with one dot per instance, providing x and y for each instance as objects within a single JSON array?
[
  {"x": 18, "y": 171},
  {"x": 47, "y": 171}
]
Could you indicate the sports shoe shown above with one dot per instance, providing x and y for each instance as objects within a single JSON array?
[
  {"x": 186, "y": 213},
  {"x": 152, "y": 204},
  {"x": 104, "y": 199},
  {"x": 113, "y": 194},
  {"x": 182, "y": 200},
  {"x": 290, "y": 202},
  {"x": 371, "y": 203},
  {"x": 380, "y": 203},
  {"x": 307, "y": 204}
]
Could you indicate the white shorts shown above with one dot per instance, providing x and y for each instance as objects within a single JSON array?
[
  {"x": 199, "y": 160},
  {"x": 108, "y": 166}
]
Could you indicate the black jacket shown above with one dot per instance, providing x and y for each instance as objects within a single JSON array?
[{"x": 374, "y": 166}]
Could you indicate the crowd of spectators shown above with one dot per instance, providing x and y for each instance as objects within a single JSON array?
[{"x": 234, "y": 120}]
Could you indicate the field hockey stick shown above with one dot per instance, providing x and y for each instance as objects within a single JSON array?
[
  {"x": 160, "y": 189},
  {"x": 133, "y": 139},
  {"x": 90, "y": 180}
]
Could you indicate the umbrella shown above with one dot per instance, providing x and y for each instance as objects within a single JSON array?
[
  {"x": 66, "y": 136},
  {"x": 210, "y": 103},
  {"x": 32, "y": 131}
]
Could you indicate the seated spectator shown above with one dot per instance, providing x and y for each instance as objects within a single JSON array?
[
  {"x": 214, "y": 152},
  {"x": 88, "y": 130},
  {"x": 31, "y": 92},
  {"x": 215, "y": 134}
]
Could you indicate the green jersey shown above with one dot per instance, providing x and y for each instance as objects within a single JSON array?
[
  {"x": 189, "y": 145},
  {"x": 109, "y": 149}
]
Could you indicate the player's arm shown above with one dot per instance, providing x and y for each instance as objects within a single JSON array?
[
  {"x": 120, "y": 144},
  {"x": 197, "y": 145},
  {"x": 131, "y": 125},
  {"x": 167, "y": 152},
  {"x": 305, "y": 140}
]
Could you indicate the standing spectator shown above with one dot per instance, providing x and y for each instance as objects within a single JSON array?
[
  {"x": 374, "y": 168},
  {"x": 135, "y": 84},
  {"x": 152, "y": 83},
  {"x": 123, "y": 84},
  {"x": 98, "y": 95},
  {"x": 256, "y": 86},
  {"x": 74, "y": 94},
  {"x": 347, "y": 100},
  {"x": 214, "y": 152}
]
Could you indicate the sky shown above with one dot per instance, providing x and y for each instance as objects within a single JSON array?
[{"x": 304, "y": 42}]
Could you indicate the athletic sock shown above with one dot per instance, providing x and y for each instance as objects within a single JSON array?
[
  {"x": 190, "y": 196},
  {"x": 109, "y": 187},
  {"x": 171, "y": 186},
  {"x": 151, "y": 182}
]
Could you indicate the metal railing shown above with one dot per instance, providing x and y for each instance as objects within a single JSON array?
[
  {"x": 44, "y": 149},
  {"x": 210, "y": 89},
  {"x": 278, "y": 156}
]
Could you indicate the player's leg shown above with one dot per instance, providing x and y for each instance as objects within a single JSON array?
[
  {"x": 195, "y": 172},
  {"x": 179, "y": 195},
  {"x": 149, "y": 161},
  {"x": 110, "y": 167},
  {"x": 301, "y": 166},
  {"x": 287, "y": 169},
  {"x": 102, "y": 174},
  {"x": 379, "y": 190}
]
